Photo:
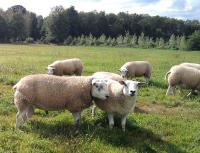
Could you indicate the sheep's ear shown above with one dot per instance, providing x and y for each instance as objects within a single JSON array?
[
  {"x": 122, "y": 82},
  {"x": 119, "y": 70},
  {"x": 141, "y": 84}
]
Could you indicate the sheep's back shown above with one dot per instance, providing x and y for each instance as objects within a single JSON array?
[
  {"x": 137, "y": 68},
  {"x": 52, "y": 92}
]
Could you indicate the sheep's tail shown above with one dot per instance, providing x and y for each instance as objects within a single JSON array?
[{"x": 166, "y": 75}]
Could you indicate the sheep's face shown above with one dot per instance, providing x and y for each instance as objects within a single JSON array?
[
  {"x": 131, "y": 87},
  {"x": 123, "y": 72},
  {"x": 100, "y": 88},
  {"x": 50, "y": 70}
]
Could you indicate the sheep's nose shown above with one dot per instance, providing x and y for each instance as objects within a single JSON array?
[
  {"x": 107, "y": 96},
  {"x": 132, "y": 92}
]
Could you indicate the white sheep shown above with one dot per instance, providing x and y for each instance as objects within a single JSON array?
[
  {"x": 194, "y": 65},
  {"x": 136, "y": 69},
  {"x": 121, "y": 100},
  {"x": 105, "y": 75},
  {"x": 51, "y": 92},
  {"x": 182, "y": 76},
  {"x": 66, "y": 67}
]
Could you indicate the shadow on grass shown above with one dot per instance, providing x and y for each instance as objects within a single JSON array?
[{"x": 136, "y": 137}]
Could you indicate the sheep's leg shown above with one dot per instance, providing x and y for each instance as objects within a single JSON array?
[
  {"x": 19, "y": 119},
  {"x": 190, "y": 93},
  {"x": 123, "y": 122},
  {"x": 181, "y": 88},
  {"x": 170, "y": 91},
  {"x": 23, "y": 109},
  {"x": 94, "y": 110},
  {"x": 77, "y": 117},
  {"x": 147, "y": 80},
  {"x": 46, "y": 112},
  {"x": 29, "y": 112},
  {"x": 110, "y": 120}
]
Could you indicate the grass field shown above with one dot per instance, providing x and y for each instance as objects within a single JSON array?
[{"x": 160, "y": 124}]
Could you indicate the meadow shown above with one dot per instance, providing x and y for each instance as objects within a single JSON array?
[{"x": 160, "y": 124}]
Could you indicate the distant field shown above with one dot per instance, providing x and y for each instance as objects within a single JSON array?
[{"x": 161, "y": 124}]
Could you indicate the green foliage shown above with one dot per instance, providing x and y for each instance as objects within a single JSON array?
[
  {"x": 183, "y": 44},
  {"x": 161, "y": 43},
  {"x": 194, "y": 41},
  {"x": 133, "y": 41},
  {"x": 29, "y": 40},
  {"x": 141, "y": 41},
  {"x": 172, "y": 42},
  {"x": 119, "y": 40}
]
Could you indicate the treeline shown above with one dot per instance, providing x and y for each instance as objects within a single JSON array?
[{"x": 67, "y": 26}]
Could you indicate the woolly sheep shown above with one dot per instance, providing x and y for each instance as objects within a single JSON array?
[
  {"x": 136, "y": 69},
  {"x": 105, "y": 75},
  {"x": 182, "y": 76},
  {"x": 50, "y": 92},
  {"x": 194, "y": 65},
  {"x": 66, "y": 67},
  {"x": 121, "y": 100}
]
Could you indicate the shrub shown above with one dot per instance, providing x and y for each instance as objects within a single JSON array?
[
  {"x": 194, "y": 41},
  {"x": 29, "y": 40}
]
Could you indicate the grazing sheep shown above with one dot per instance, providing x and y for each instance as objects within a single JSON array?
[
  {"x": 66, "y": 67},
  {"x": 194, "y": 65},
  {"x": 50, "y": 92},
  {"x": 136, "y": 69},
  {"x": 182, "y": 76},
  {"x": 105, "y": 75},
  {"x": 121, "y": 100}
]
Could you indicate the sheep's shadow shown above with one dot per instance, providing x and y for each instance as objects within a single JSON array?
[{"x": 135, "y": 137}]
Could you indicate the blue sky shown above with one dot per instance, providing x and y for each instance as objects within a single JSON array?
[{"x": 180, "y": 9}]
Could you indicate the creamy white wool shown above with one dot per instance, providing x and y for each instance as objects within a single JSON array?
[
  {"x": 194, "y": 65},
  {"x": 183, "y": 76},
  {"x": 136, "y": 69},
  {"x": 67, "y": 67}
]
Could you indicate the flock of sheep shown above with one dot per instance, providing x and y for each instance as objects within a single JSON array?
[{"x": 110, "y": 92}]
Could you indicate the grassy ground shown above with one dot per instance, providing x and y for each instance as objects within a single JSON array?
[{"x": 160, "y": 124}]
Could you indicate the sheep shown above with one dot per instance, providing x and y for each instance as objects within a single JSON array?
[
  {"x": 136, "y": 69},
  {"x": 106, "y": 75},
  {"x": 121, "y": 100},
  {"x": 66, "y": 67},
  {"x": 51, "y": 92},
  {"x": 194, "y": 65},
  {"x": 182, "y": 76}
]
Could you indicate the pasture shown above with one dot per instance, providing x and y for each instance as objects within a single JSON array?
[{"x": 160, "y": 124}]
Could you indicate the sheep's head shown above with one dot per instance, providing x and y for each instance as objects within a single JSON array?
[
  {"x": 123, "y": 72},
  {"x": 50, "y": 70},
  {"x": 131, "y": 87},
  {"x": 100, "y": 88}
]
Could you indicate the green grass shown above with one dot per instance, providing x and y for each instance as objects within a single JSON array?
[{"x": 160, "y": 124}]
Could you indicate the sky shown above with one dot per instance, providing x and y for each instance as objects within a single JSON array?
[{"x": 180, "y": 9}]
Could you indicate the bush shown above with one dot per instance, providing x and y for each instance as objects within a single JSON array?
[
  {"x": 194, "y": 41},
  {"x": 29, "y": 40}
]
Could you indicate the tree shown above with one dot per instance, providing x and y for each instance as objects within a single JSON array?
[
  {"x": 183, "y": 43},
  {"x": 172, "y": 42},
  {"x": 133, "y": 41},
  {"x": 141, "y": 41},
  {"x": 194, "y": 41},
  {"x": 3, "y": 29}
]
